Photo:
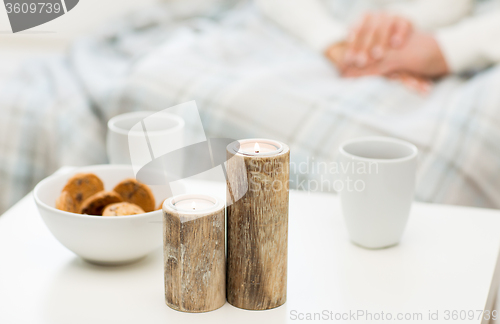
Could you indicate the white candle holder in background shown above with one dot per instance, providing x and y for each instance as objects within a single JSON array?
[{"x": 126, "y": 130}]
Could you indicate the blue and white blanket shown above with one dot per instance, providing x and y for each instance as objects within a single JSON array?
[{"x": 249, "y": 79}]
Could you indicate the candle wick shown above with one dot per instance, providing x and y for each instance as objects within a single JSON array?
[{"x": 256, "y": 148}]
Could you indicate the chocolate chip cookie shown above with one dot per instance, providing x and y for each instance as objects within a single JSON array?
[
  {"x": 122, "y": 209},
  {"x": 66, "y": 202},
  {"x": 137, "y": 193},
  {"x": 83, "y": 185},
  {"x": 95, "y": 204}
]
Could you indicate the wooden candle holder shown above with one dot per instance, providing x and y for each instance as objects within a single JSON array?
[
  {"x": 194, "y": 257},
  {"x": 257, "y": 227}
]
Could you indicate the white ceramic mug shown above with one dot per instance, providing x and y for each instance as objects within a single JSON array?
[
  {"x": 163, "y": 130},
  {"x": 378, "y": 177}
]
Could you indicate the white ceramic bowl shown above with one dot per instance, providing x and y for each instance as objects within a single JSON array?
[{"x": 97, "y": 239}]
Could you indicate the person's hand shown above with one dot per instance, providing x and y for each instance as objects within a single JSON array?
[
  {"x": 421, "y": 56},
  {"x": 419, "y": 84},
  {"x": 370, "y": 39},
  {"x": 336, "y": 53}
]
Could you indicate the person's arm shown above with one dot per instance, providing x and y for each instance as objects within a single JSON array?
[
  {"x": 431, "y": 14},
  {"x": 471, "y": 44},
  {"x": 308, "y": 20}
]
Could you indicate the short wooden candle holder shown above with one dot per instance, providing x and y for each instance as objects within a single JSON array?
[
  {"x": 257, "y": 223},
  {"x": 194, "y": 253}
]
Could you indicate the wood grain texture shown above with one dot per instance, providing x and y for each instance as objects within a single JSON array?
[
  {"x": 194, "y": 259},
  {"x": 257, "y": 230}
]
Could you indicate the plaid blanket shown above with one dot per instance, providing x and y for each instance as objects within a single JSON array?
[{"x": 249, "y": 79}]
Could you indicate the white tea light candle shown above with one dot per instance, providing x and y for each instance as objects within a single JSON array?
[
  {"x": 258, "y": 146},
  {"x": 193, "y": 203}
]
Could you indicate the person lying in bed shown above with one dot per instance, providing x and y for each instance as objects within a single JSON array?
[{"x": 412, "y": 41}]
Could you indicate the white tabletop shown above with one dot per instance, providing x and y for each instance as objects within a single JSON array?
[{"x": 446, "y": 262}]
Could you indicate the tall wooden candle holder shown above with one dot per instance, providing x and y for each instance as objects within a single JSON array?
[
  {"x": 257, "y": 223},
  {"x": 194, "y": 253}
]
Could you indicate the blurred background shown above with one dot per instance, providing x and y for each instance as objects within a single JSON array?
[
  {"x": 54, "y": 37},
  {"x": 308, "y": 73}
]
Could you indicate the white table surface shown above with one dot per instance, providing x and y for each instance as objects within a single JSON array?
[{"x": 446, "y": 261}]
